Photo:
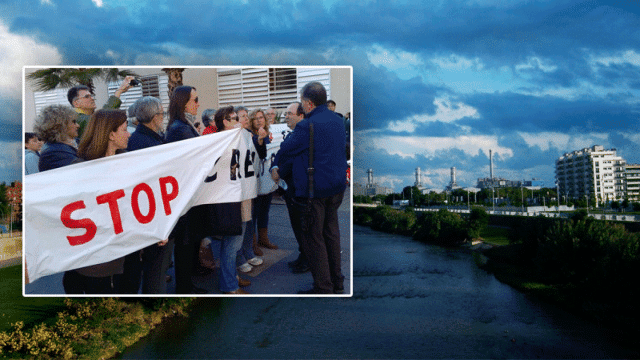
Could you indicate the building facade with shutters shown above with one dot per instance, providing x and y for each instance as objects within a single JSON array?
[{"x": 252, "y": 87}]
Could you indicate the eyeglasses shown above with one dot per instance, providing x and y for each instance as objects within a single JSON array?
[{"x": 88, "y": 96}]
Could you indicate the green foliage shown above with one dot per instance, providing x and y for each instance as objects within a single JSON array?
[
  {"x": 89, "y": 328},
  {"x": 442, "y": 227},
  {"x": 615, "y": 205},
  {"x": 362, "y": 199},
  {"x": 363, "y": 215},
  {"x": 393, "y": 221},
  {"x": 49, "y": 79},
  {"x": 478, "y": 220},
  {"x": 579, "y": 215},
  {"x": 529, "y": 232},
  {"x": 592, "y": 254}
]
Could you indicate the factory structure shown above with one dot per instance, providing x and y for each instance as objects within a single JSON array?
[
  {"x": 371, "y": 188},
  {"x": 590, "y": 172},
  {"x": 493, "y": 182}
]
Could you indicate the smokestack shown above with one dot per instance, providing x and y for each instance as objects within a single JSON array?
[
  {"x": 491, "y": 163},
  {"x": 418, "y": 180},
  {"x": 370, "y": 175},
  {"x": 453, "y": 175}
]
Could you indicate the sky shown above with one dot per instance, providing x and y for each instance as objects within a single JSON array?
[{"x": 437, "y": 84}]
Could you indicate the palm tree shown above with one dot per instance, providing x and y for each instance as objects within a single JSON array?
[
  {"x": 175, "y": 78},
  {"x": 49, "y": 79}
]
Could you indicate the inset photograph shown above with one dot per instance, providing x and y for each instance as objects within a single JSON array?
[{"x": 198, "y": 181}]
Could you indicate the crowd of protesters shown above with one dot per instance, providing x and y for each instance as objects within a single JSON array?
[{"x": 81, "y": 133}]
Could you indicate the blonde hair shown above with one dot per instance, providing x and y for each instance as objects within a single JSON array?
[
  {"x": 252, "y": 118},
  {"x": 53, "y": 122}
]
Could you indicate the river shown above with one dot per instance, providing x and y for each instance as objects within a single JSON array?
[{"x": 411, "y": 300}]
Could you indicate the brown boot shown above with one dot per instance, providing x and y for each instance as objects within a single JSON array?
[
  {"x": 263, "y": 239},
  {"x": 243, "y": 282},
  {"x": 256, "y": 248}
]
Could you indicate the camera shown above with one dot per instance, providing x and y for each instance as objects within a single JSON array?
[{"x": 134, "y": 82}]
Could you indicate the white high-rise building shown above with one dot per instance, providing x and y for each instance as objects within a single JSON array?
[
  {"x": 592, "y": 171},
  {"x": 633, "y": 182}
]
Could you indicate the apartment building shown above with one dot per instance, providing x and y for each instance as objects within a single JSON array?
[
  {"x": 592, "y": 171},
  {"x": 633, "y": 182}
]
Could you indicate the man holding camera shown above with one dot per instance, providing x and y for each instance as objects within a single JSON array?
[{"x": 84, "y": 103}]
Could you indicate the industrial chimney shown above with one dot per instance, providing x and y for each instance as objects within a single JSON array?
[{"x": 491, "y": 164}]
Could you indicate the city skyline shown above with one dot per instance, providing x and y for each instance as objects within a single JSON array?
[{"x": 435, "y": 85}]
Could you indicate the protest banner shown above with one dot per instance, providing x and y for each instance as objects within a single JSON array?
[
  {"x": 265, "y": 184},
  {"x": 96, "y": 211}
]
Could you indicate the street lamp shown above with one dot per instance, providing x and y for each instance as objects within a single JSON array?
[
  {"x": 522, "y": 195},
  {"x": 493, "y": 197},
  {"x": 468, "y": 207}
]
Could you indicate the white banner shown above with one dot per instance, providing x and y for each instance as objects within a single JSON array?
[
  {"x": 265, "y": 183},
  {"x": 96, "y": 211}
]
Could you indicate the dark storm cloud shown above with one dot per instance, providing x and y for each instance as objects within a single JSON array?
[
  {"x": 10, "y": 119},
  {"x": 382, "y": 97},
  {"x": 511, "y": 112},
  {"x": 495, "y": 33}
]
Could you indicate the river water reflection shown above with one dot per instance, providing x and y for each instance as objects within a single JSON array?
[{"x": 410, "y": 301}]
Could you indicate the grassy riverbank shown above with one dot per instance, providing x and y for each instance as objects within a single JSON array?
[
  {"x": 93, "y": 328},
  {"x": 16, "y": 308}
]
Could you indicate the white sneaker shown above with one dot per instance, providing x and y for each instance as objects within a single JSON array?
[
  {"x": 255, "y": 261},
  {"x": 245, "y": 268}
]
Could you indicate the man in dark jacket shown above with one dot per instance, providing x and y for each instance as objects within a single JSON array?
[
  {"x": 321, "y": 233},
  {"x": 293, "y": 115}
]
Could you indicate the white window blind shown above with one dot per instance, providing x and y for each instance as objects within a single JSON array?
[
  {"x": 267, "y": 87},
  {"x": 43, "y": 99},
  {"x": 151, "y": 85}
]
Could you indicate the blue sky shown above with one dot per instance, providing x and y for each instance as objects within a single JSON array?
[{"x": 436, "y": 84}]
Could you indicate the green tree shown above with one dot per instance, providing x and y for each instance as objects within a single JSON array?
[
  {"x": 442, "y": 227},
  {"x": 478, "y": 220},
  {"x": 615, "y": 205},
  {"x": 52, "y": 78}
]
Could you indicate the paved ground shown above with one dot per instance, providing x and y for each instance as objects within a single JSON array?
[{"x": 275, "y": 280}]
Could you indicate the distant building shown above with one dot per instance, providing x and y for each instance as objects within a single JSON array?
[
  {"x": 632, "y": 177},
  {"x": 534, "y": 183},
  {"x": 453, "y": 185},
  {"x": 592, "y": 171},
  {"x": 488, "y": 183},
  {"x": 371, "y": 189}
]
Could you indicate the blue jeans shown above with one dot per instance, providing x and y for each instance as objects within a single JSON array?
[
  {"x": 246, "y": 251},
  {"x": 262, "y": 205},
  {"x": 229, "y": 246}
]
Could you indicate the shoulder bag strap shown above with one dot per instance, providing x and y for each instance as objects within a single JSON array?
[{"x": 310, "y": 169}]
